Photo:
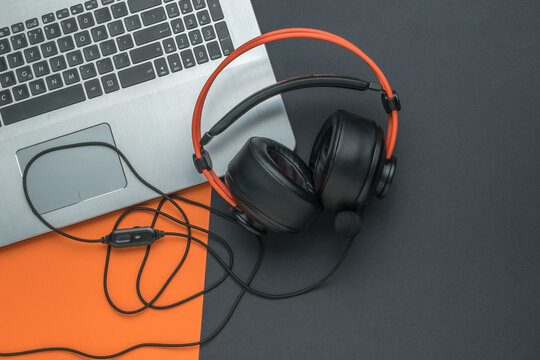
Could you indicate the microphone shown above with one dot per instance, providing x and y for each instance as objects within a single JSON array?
[{"x": 347, "y": 223}]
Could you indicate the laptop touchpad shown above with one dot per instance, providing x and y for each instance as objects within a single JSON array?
[{"x": 69, "y": 176}]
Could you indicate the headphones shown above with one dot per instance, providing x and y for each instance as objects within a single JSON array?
[{"x": 270, "y": 187}]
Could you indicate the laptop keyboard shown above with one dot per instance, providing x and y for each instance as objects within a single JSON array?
[{"x": 97, "y": 48}]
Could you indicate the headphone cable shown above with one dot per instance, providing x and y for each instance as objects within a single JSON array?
[{"x": 226, "y": 265}]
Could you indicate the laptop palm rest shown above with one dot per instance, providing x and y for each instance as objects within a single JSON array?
[{"x": 70, "y": 176}]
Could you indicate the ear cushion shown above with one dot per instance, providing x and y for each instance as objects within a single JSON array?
[
  {"x": 346, "y": 158},
  {"x": 273, "y": 186}
]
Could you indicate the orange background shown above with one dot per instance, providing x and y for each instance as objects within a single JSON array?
[{"x": 51, "y": 290}]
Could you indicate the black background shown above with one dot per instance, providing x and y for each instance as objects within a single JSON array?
[{"x": 448, "y": 265}]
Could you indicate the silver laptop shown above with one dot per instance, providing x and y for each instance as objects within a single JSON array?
[{"x": 127, "y": 72}]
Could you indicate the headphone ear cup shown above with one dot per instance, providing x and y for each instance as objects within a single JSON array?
[
  {"x": 272, "y": 186},
  {"x": 346, "y": 161}
]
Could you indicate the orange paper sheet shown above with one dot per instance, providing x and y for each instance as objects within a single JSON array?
[{"x": 51, "y": 290}]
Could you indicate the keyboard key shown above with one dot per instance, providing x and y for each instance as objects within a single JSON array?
[
  {"x": 195, "y": 37},
  {"x": 182, "y": 41},
  {"x": 146, "y": 53},
  {"x": 24, "y": 74},
  {"x": 52, "y": 31},
  {"x": 133, "y": 23},
  {"x": 124, "y": 42},
  {"x": 4, "y": 46},
  {"x": 91, "y": 53},
  {"x": 121, "y": 61},
  {"x": 177, "y": 26},
  {"x": 152, "y": 33},
  {"x": 204, "y": 17},
  {"x": 4, "y": 32},
  {"x": 36, "y": 36},
  {"x": 5, "y": 98},
  {"x": 185, "y": 6},
  {"x": 7, "y": 79},
  {"x": 161, "y": 67},
  {"x": 91, "y": 4},
  {"x": 49, "y": 49},
  {"x": 37, "y": 87},
  {"x": 86, "y": 20},
  {"x": 136, "y": 75},
  {"x": 66, "y": 44},
  {"x": 187, "y": 58},
  {"x": 32, "y": 23},
  {"x": 104, "y": 66},
  {"x": 15, "y": 60},
  {"x": 88, "y": 71},
  {"x": 213, "y": 50},
  {"x": 116, "y": 28},
  {"x": 107, "y": 2},
  {"x": 190, "y": 21},
  {"x": 82, "y": 38},
  {"x": 108, "y": 47},
  {"x": 139, "y": 5},
  {"x": 42, "y": 104},
  {"x": 48, "y": 18},
  {"x": 153, "y": 16},
  {"x": 54, "y": 82},
  {"x": 200, "y": 54},
  {"x": 61, "y": 14},
  {"x": 21, "y": 92},
  {"x": 32, "y": 54},
  {"x": 19, "y": 41},
  {"x": 41, "y": 68},
  {"x": 119, "y": 10},
  {"x": 3, "y": 64},
  {"x": 199, "y": 4},
  {"x": 69, "y": 26},
  {"x": 58, "y": 63},
  {"x": 174, "y": 62},
  {"x": 74, "y": 58},
  {"x": 172, "y": 10},
  {"x": 110, "y": 83},
  {"x": 208, "y": 33},
  {"x": 169, "y": 46},
  {"x": 99, "y": 33},
  {"x": 71, "y": 76},
  {"x": 17, "y": 28},
  {"x": 215, "y": 10},
  {"x": 76, "y": 9},
  {"x": 224, "y": 38},
  {"x": 102, "y": 15},
  {"x": 93, "y": 88}
]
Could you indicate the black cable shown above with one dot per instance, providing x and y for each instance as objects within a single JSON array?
[
  {"x": 227, "y": 266},
  {"x": 147, "y": 253},
  {"x": 166, "y": 284},
  {"x": 159, "y": 345}
]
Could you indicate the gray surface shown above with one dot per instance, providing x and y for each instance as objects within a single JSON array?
[
  {"x": 448, "y": 266},
  {"x": 70, "y": 176}
]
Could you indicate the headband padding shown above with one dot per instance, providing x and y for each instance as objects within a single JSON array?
[
  {"x": 342, "y": 160},
  {"x": 273, "y": 186}
]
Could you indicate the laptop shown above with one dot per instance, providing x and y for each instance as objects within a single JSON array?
[{"x": 126, "y": 72}]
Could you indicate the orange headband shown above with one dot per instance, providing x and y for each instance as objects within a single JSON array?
[{"x": 210, "y": 175}]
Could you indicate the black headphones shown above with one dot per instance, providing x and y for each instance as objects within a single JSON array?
[{"x": 270, "y": 187}]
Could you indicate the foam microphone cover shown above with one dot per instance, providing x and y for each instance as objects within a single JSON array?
[{"x": 347, "y": 223}]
